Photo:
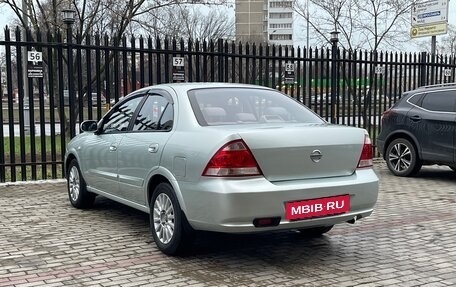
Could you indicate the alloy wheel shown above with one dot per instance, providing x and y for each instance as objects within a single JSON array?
[
  {"x": 400, "y": 157},
  {"x": 163, "y": 218},
  {"x": 74, "y": 183}
]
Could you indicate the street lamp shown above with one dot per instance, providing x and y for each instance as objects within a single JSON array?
[
  {"x": 334, "y": 39},
  {"x": 68, "y": 16}
]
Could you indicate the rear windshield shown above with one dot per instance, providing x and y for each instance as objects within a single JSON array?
[{"x": 232, "y": 106}]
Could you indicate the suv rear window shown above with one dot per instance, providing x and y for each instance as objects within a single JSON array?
[
  {"x": 441, "y": 101},
  {"x": 416, "y": 99}
]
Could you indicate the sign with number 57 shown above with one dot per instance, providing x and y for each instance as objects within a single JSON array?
[
  {"x": 178, "y": 61},
  {"x": 178, "y": 69},
  {"x": 33, "y": 56}
]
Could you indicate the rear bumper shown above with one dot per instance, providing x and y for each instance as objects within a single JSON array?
[{"x": 231, "y": 205}]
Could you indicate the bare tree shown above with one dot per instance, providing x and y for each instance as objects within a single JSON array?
[
  {"x": 448, "y": 43},
  {"x": 332, "y": 15},
  {"x": 384, "y": 22},
  {"x": 192, "y": 23},
  {"x": 3, "y": 70},
  {"x": 368, "y": 24},
  {"x": 108, "y": 17},
  {"x": 100, "y": 16}
]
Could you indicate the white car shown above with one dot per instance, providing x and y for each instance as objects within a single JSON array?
[{"x": 222, "y": 157}]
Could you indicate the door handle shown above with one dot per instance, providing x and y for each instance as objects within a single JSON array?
[
  {"x": 415, "y": 118},
  {"x": 113, "y": 148},
  {"x": 153, "y": 148}
]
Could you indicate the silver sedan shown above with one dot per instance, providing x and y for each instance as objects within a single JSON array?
[{"x": 222, "y": 157}]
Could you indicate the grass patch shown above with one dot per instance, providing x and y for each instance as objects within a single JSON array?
[
  {"x": 32, "y": 159},
  {"x": 40, "y": 173}
]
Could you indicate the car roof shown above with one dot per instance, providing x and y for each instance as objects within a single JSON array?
[
  {"x": 444, "y": 86},
  {"x": 185, "y": 87},
  {"x": 425, "y": 89}
]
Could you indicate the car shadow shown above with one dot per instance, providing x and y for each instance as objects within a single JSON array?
[
  {"x": 268, "y": 245},
  {"x": 112, "y": 210},
  {"x": 427, "y": 172},
  {"x": 260, "y": 245},
  {"x": 437, "y": 172}
]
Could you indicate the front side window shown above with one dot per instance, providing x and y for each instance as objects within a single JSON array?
[
  {"x": 230, "y": 106},
  {"x": 119, "y": 119},
  {"x": 156, "y": 114}
]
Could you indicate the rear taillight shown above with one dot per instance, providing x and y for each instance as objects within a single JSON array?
[
  {"x": 233, "y": 159},
  {"x": 366, "y": 155},
  {"x": 387, "y": 113}
]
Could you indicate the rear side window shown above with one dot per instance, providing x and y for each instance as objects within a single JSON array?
[
  {"x": 230, "y": 106},
  {"x": 416, "y": 99},
  {"x": 442, "y": 101}
]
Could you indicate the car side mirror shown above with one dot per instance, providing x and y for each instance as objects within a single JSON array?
[{"x": 89, "y": 126}]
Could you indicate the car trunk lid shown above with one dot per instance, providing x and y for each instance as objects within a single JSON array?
[{"x": 306, "y": 151}]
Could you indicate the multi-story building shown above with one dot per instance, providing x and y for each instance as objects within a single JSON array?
[
  {"x": 250, "y": 18},
  {"x": 263, "y": 21},
  {"x": 280, "y": 22}
]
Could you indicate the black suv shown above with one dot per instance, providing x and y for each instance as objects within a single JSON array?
[{"x": 419, "y": 130}]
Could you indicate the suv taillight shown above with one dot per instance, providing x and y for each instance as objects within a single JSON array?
[
  {"x": 386, "y": 113},
  {"x": 233, "y": 159},
  {"x": 366, "y": 155}
]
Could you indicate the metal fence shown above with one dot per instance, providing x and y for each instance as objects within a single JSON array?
[{"x": 78, "y": 78}]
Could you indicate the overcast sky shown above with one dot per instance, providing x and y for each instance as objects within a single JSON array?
[{"x": 6, "y": 16}]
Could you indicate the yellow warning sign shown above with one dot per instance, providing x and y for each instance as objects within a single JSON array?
[{"x": 429, "y": 30}]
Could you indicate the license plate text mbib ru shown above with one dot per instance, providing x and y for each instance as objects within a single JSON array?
[{"x": 317, "y": 207}]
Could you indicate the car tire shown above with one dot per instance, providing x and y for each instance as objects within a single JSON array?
[
  {"x": 77, "y": 187},
  {"x": 170, "y": 229},
  {"x": 402, "y": 158},
  {"x": 315, "y": 231}
]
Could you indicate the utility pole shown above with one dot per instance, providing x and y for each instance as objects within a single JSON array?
[
  {"x": 308, "y": 51},
  {"x": 433, "y": 44}
]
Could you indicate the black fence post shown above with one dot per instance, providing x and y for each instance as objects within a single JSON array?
[
  {"x": 423, "y": 69},
  {"x": 220, "y": 59},
  {"x": 71, "y": 95},
  {"x": 334, "y": 40}
]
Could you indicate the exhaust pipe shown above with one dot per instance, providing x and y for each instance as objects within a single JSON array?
[{"x": 353, "y": 220}]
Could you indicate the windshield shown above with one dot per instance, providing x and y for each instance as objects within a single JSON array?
[{"x": 232, "y": 106}]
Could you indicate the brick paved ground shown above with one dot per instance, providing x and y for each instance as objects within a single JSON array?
[{"x": 408, "y": 241}]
